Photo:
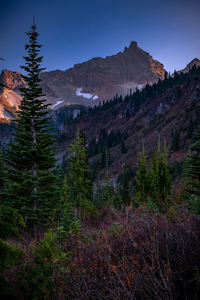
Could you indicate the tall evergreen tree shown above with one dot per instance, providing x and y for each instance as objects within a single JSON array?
[
  {"x": 123, "y": 147},
  {"x": 79, "y": 179},
  {"x": 142, "y": 177},
  {"x": 160, "y": 177},
  {"x": 154, "y": 182},
  {"x": 31, "y": 157},
  {"x": 191, "y": 182},
  {"x": 124, "y": 183}
]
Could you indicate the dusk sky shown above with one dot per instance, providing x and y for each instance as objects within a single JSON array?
[{"x": 75, "y": 31}]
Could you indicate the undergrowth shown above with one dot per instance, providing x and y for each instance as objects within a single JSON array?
[{"x": 123, "y": 255}]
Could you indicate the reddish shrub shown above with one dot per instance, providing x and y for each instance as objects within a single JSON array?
[{"x": 152, "y": 257}]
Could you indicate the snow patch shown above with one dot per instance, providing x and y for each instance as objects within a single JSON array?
[
  {"x": 140, "y": 87},
  {"x": 57, "y": 103},
  {"x": 85, "y": 95}
]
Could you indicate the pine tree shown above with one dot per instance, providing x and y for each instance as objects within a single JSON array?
[
  {"x": 31, "y": 158},
  {"x": 191, "y": 182},
  {"x": 65, "y": 191},
  {"x": 124, "y": 184},
  {"x": 142, "y": 177},
  {"x": 175, "y": 141},
  {"x": 123, "y": 147},
  {"x": 155, "y": 182},
  {"x": 79, "y": 178},
  {"x": 165, "y": 180},
  {"x": 190, "y": 128},
  {"x": 160, "y": 177}
]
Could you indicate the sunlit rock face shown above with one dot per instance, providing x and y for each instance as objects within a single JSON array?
[
  {"x": 10, "y": 97},
  {"x": 87, "y": 83}
]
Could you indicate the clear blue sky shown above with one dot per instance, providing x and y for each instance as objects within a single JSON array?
[{"x": 74, "y": 31}]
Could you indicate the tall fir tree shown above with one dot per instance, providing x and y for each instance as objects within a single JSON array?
[
  {"x": 154, "y": 182},
  {"x": 124, "y": 183},
  {"x": 191, "y": 180},
  {"x": 80, "y": 185},
  {"x": 142, "y": 177},
  {"x": 160, "y": 177},
  {"x": 123, "y": 147},
  {"x": 32, "y": 161}
]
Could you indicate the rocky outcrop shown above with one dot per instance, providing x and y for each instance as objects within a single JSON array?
[
  {"x": 10, "y": 97},
  {"x": 89, "y": 82}
]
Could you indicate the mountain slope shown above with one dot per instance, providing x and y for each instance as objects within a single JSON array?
[{"x": 170, "y": 109}]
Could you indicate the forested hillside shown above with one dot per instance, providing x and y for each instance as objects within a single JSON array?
[{"x": 168, "y": 110}]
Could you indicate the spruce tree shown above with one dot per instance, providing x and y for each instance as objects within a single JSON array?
[
  {"x": 123, "y": 147},
  {"x": 160, "y": 177},
  {"x": 79, "y": 178},
  {"x": 165, "y": 180},
  {"x": 124, "y": 184},
  {"x": 155, "y": 182},
  {"x": 142, "y": 177},
  {"x": 191, "y": 182},
  {"x": 31, "y": 158}
]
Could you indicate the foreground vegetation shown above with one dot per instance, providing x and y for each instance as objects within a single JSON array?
[{"x": 119, "y": 255}]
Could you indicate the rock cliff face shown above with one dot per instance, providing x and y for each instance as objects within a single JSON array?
[
  {"x": 9, "y": 93},
  {"x": 89, "y": 82}
]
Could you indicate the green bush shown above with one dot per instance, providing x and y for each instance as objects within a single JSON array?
[
  {"x": 38, "y": 276},
  {"x": 193, "y": 204},
  {"x": 9, "y": 256},
  {"x": 116, "y": 228},
  {"x": 46, "y": 249},
  {"x": 10, "y": 221},
  {"x": 103, "y": 195},
  {"x": 69, "y": 224},
  {"x": 151, "y": 205}
]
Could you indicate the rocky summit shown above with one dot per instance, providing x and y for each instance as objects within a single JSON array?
[
  {"x": 87, "y": 83},
  {"x": 189, "y": 66}
]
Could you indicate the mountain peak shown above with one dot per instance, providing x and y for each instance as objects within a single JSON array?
[
  {"x": 133, "y": 44},
  {"x": 90, "y": 82},
  {"x": 193, "y": 62}
]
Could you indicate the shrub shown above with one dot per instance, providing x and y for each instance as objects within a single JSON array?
[
  {"x": 35, "y": 278},
  {"x": 9, "y": 256},
  {"x": 10, "y": 221},
  {"x": 69, "y": 223},
  {"x": 153, "y": 258},
  {"x": 137, "y": 256},
  {"x": 116, "y": 228},
  {"x": 193, "y": 204}
]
